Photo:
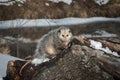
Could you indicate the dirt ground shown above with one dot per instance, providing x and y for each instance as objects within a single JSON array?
[{"x": 35, "y": 9}]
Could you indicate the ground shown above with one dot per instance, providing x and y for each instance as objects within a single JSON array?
[{"x": 34, "y": 9}]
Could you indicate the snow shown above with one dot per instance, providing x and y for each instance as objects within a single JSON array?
[
  {"x": 19, "y": 2},
  {"x": 37, "y": 61},
  {"x": 101, "y": 2},
  {"x": 11, "y": 2},
  {"x": 47, "y": 4},
  {"x": 52, "y": 22},
  {"x": 1, "y": 79},
  {"x": 98, "y": 45},
  {"x": 3, "y": 63},
  {"x": 25, "y": 40},
  {"x": 10, "y": 39},
  {"x": 65, "y": 1},
  {"x": 100, "y": 33},
  {"x": 95, "y": 44}
]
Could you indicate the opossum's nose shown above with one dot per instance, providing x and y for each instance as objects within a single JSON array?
[{"x": 65, "y": 39}]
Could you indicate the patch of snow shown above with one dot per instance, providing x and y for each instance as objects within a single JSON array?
[
  {"x": 37, "y": 61},
  {"x": 52, "y": 22},
  {"x": 19, "y": 5},
  {"x": 4, "y": 61},
  {"x": 31, "y": 68},
  {"x": 95, "y": 44},
  {"x": 25, "y": 40},
  {"x": 10, "y": 39},
  {"x": 47, "y": 4},
  {"x": 100, "y": 33},
  {"x": 65, "y": 1},
  {"x": 101, "y": 2},
  {"x": 107, "y": 50},
  {"x": 1, "y": 78},
  {"x": 98, "y": 45},
  {"x": 11, "y": 2},
  {"x": 4, "y": 0}
]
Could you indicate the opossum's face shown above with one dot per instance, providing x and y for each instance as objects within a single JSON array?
[{"x": 65, "y": 34}]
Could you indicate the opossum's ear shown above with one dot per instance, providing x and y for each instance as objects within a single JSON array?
[{"x": 69, "y": 31}]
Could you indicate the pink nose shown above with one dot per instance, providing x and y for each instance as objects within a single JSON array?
[{"x": 65, "y": 39}]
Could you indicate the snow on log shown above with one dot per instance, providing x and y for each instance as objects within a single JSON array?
[{"x": 3, "y": 63}]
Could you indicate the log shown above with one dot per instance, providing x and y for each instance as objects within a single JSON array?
[
  {"x": 78, "y": 62},
  {"x": 115, "y": 46},
  {"x": 112, "y": 66}
]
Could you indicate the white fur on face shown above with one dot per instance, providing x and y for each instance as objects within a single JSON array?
[{"x": 65, "y": 34}]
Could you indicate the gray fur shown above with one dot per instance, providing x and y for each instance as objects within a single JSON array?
[{"x": 50, "y": 44}]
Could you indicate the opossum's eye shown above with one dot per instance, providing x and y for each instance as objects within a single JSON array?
[
  {"x": 67, "y": 35},
  {"x": 59, "y": 31},
  {"x": 62, "y": 35}
]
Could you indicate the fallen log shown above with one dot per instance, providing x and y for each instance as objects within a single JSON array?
[
  {"x": 78, "y": 62},
  {"x": 115, "y": 46},
  {"x": 111, "y": 65}
]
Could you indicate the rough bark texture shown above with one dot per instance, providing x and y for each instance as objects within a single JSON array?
[{"x": 78, "y": 62}]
